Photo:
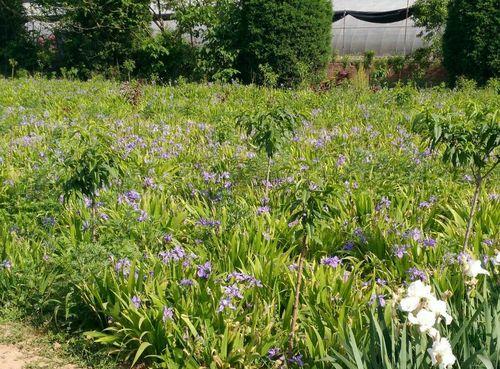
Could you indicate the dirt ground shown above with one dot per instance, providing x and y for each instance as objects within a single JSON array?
[{"x": 22, "y": 347}]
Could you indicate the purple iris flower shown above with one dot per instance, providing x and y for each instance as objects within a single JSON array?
[{"x": 204, "y": 270}]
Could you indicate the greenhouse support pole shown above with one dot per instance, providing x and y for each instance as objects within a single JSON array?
[
  {"x": 343, "y": 32},
  {"x": 406, "y": 24}
]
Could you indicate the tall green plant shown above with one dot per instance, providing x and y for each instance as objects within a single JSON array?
[
  {"x": 468, "y": 46},
  {"x": 270, "y": 131},
  {"x": 98, "y": 35},
  {"x": 287, "y": 35},
  {"x": 307, "y": 207},
  {"x": 470, "y": 139}
]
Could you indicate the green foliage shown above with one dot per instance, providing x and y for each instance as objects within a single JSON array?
[
  {"x": 468, "y": 46},
  {"x": 432, "y": 15},
  {"x": 470, "y": 138},
  {"x": 89, "y": 166},
  {"x": 368, "y": 59},
  {"x": 269, "y": 131},
  {"x": 166, "y": 56},
  {"x": 15, "y": 42},
  {"x": 220, "y": 47},
  {"x": 176, "y": 184},
  {"x": 283, "y": 35},
  {"x": 99, "y": 34}
]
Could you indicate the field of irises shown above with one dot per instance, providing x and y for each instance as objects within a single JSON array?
[{"x": 226, "y": 226}]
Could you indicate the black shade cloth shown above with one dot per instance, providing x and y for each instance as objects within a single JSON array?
[{"x": 390, "y": 16}]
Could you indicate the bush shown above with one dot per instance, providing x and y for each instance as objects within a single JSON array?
[
  {"x": 286, "y": 35},
  {"x": 469, "y": 45},
  {"x": 100, "y": 34},
  {"x": 14, "y": 40},
  {"x": 167, "y": 57}
]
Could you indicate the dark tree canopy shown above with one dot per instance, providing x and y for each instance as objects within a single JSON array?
[
  {"x": 14, "y": 40},
  {"x": 471, "y": 45},
  {"x": 291, "y": 37},
  {"x": 96, "y": 34}
]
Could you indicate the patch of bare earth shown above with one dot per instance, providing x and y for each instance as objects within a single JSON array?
[{"x": 22, "y": 347}]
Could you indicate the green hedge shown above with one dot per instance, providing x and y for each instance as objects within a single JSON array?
[
  {"x": 14, "y": 40},
  {"x": 101, "y": 34},
  {"x": 471, "y": 44},
  {"x": 288, "y": 38}
]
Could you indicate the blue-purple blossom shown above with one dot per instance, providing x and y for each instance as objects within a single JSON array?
[
  {"x": 332, "y": 262},
  {"x": 358, "y": 232},
  {"x": 186, "y": 282},
  {"x": 233, "y": 291},
  {"x": 226, "y": 303},
  {"x": 122, "y": 266},
  {"x": 168, "y": 314},
  {"x": 263, "y": 210},
  {"x": 349, "y": 245},
  {"x": 400, "y": 251},
  {"x": 341, "y": 161},
  {"x": 209, "y": 223},
  {"x": 416, "y": 273},
  {"x": 175, "y": 254},
  {"x": 424, "y": 205},
  {"x": 136, "y": 301},
  {"x": 143, "y": 216},
  {"x": 297, "y": 360},
  {"x": 48, "y": 221},
  {"x": 132, "y": 196},
  {"x": 274, "y": 353},
  {"x": 149, "y": 183},
  {"x": 167, "y": 238},
  {"x": 379, "y": 298},
  {"x": 6, "y": 264},
  {"x": 204, "y": 270},
  {"x": 415, "y": 234},
  {"x": 429, "y": 242},
  {"x": 244, "y": 278},
  {"x": 384, "y": 203}
]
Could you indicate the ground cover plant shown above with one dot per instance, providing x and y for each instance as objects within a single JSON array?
[{"x": 228, "y": 226}]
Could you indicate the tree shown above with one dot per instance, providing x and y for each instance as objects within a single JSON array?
[
  {"x": 14, "y": 40},
  {"x": 431, "y": 15},
  {"x": 471, "y": 45},
  {"x": 98, "y": 34},
  {"x": 471, "y": 139},
  {"x": 290, "y": 37}
]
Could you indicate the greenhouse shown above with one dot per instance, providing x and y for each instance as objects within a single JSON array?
[{"x": 384, "y": 26}]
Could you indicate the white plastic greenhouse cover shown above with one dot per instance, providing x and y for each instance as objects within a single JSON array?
[{"x": 353, "y": 36}]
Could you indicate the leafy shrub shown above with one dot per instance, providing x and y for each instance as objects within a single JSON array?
[
  {"x": 14, "y": 39},
  {"x": 284, "y": 34},
  {"x": 469, "y": 45},
  {"x": 99, "y": 34},
  {"x": 166, "y": 56},
  {"x": 169, "y": 182}
]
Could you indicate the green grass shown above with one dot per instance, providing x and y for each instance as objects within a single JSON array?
[{"x": 200, "y": 181}]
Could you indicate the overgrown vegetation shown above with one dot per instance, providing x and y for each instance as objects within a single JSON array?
[
  {"x": 468, "y": 45},
  {"x": 235, "y": 226}
]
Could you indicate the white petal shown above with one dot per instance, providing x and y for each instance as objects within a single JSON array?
[
  {"x": 410, "y": 303},
  {"x": 426, "y": 320},
  {"x": 473, "y": 268},
  {"x": 419, "y": 289},
  {"x": 433, "y": 333},
  {"x": 439, "y": 308}
]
